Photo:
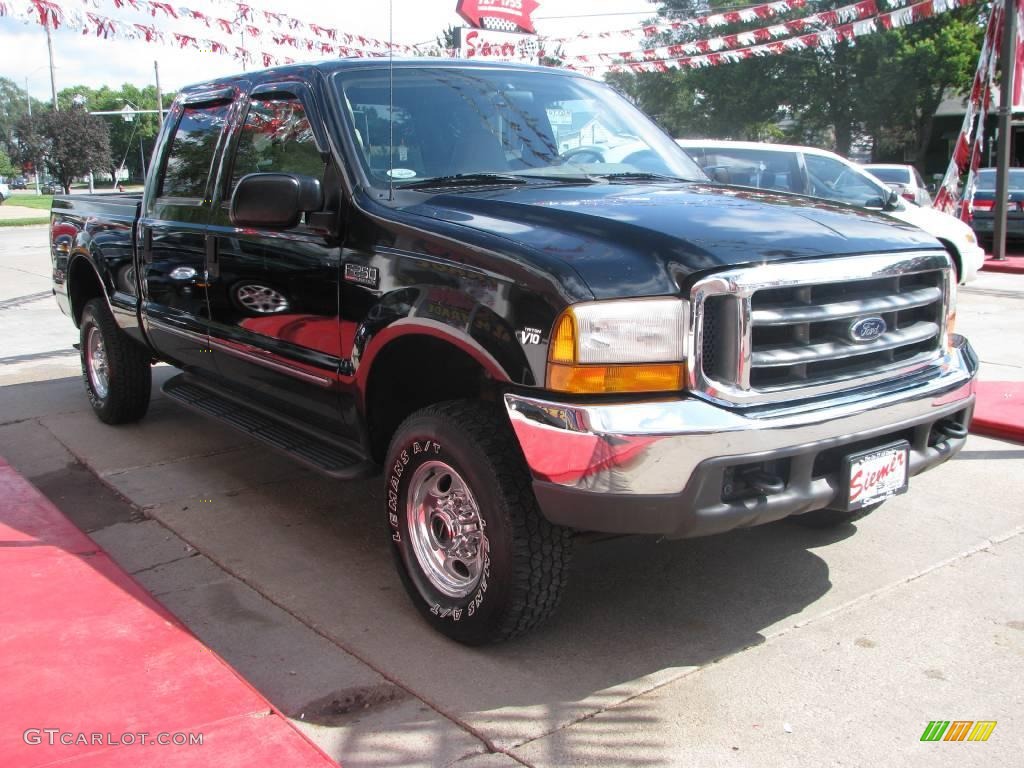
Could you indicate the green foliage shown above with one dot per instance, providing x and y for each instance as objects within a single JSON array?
[
  {"x": 125, "y": 137},
  {"x": 6, "y": 166},
  {"x": 13, "y": 105},
  {"x": 71, "y": 142}
]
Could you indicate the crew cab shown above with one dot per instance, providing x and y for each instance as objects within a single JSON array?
[{"x": 405, "y": 270}]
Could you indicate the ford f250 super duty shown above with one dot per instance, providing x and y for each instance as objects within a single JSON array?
[{"x": 507, "y": 291}]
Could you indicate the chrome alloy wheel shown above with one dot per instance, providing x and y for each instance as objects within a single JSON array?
[
  {"x": 261, "y": 299},
  {"x": 445, "y": 529},
  {"x": 96, "y": 363}
]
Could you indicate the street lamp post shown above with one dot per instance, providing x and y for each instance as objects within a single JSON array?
[{"x": 28, "y": 101}]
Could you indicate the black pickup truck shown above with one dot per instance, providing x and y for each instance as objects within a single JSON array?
[{"x": 509, "y": 292}]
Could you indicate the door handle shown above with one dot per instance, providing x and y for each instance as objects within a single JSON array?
[{"x": 212, "y": 262}]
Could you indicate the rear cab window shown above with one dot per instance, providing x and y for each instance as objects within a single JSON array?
[{"x": 192, "y": 150}]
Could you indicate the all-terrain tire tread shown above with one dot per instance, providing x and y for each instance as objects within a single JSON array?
[
  {"x": 542, "y": 551},
  {"x": 131, "y": 377}
]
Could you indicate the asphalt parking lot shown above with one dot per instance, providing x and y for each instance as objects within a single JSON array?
[{"x": 766, "y": 647}]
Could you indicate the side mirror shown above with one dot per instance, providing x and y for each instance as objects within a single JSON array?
[
  {"x": 720, "y": 174},
  {"x": 892, "y": 202},
  {"x": 274, "y": 200}
]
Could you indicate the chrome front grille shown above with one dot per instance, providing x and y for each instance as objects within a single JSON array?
[{"x": 800, "y": 329}]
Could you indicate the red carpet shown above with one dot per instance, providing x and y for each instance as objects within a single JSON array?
[
  {"x": 999, "y": 411},
  {"x": 1014, "y": 263},
  {"x": 85, "y": 650}
]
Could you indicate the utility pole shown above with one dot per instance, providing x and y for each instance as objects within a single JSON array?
[
  {"x": 159, "y": 96},
  {"x": 35, "y": 163},
  {"x": 1007, "y": 66},
  {"x": 53, "y": 76}
]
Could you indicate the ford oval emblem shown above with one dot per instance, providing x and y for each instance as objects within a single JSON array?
[{"x": 867, "y": 329}]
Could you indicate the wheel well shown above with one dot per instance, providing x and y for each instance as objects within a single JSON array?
[
  {"x": 413, "y": 372},
  {"x": 83, "y": 285},
  {"x": 954, "y": 254}
]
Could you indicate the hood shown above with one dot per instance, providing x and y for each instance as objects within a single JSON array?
[
  {"x": 933, "y": 221},
  {"x": 648, "y": 239}
]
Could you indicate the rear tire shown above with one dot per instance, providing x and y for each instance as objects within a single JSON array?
[
  {"x": 832, "y": 518},
  {"x": 115, "y": 369},
  {"x": 473, "y": 550}
]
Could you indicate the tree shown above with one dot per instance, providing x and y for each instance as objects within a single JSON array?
[
  {"x": 125, "y": 137},
  {"x": 13, "y": 106},
  {"x": 6, "y": 166},
  {"x": 71, "y": 142}
]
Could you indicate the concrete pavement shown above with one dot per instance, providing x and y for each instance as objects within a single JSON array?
[{"x": 771, "y": 646}]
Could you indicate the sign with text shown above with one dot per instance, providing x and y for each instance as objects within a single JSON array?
[
  {"x": 497, "y": 46},
  {"x": 516, "y": 13}
]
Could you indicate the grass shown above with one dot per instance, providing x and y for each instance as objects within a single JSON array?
[
  {"x": 21, "y": 222},
  {"x": 42, "y": 202}
]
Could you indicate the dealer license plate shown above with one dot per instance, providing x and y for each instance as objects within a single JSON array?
[{"x": 877, "y": 474}]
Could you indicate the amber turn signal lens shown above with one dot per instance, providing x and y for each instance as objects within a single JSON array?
[
  {"x": 563, "y": 341},
  {"x": 609, "y": 379}
]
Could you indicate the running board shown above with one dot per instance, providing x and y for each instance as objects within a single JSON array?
[{"x": 317, "y": 452}]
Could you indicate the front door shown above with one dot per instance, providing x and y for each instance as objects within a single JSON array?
[
  {"x": 274, "y": 294},
  {"x": 172, "y": 237}
]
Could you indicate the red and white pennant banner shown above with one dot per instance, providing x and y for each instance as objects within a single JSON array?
[
  {"x": 967, "y": 152},
  {"x": 763, "y": 11},
  {"x": 826, "y": 37},
  {"x": 76, "y": 15},
  {"x": 832, "y": 18}
]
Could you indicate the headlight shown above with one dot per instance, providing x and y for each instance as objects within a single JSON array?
[{"x": 633, "y": 345}]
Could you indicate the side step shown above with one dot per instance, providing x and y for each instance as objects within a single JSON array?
[{"x": 318, "y": 452}]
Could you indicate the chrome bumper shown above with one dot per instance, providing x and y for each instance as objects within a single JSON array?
[{"x": 658, "y": 466}]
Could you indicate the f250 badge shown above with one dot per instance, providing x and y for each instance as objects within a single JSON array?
[
  {"x": 360, "y": 274},
  {"x": 528, "y": 336}
]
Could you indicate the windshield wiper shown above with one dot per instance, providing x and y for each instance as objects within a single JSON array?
[
  {"x": 475, "y": 179},
  {"x": 464, "y": 179},
  {"x": 642, "y": 176}
]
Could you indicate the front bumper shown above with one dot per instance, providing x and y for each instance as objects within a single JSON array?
[
  {"x": 972, "y": 258},
  {"x": 677, "y": 467}
]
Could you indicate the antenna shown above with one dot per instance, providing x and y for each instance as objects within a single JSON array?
[{"x": 391, "y": 100}]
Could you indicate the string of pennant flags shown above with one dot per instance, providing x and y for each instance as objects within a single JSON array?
[
  {"x": 268, "y": 28},
  {"x": 830, "y": 18},
  {"x": 831, "y": 28},
  {"x": 287, "y": 36}
]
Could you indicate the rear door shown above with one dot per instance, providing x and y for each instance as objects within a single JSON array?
[
  {"x": 274, "y": 298},
  {"x": 172, "y": 231}
]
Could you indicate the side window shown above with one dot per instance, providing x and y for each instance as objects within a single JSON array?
[
  {"x": 191, "y": 152},
  {"x": 276, "y": 137}
]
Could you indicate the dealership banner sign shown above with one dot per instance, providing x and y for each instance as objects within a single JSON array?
[
  {"x": 509, "y": 15},
  {"x": 497, "y": 46}
]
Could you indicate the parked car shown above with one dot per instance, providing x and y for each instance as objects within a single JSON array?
[
  {"x": 983, "y": 203},
  {"x": 19, "y": 183},
  {"x": 525, "y": 349},
  {"x": 905, "y": 179},
  {"x": 821, "y": 174},
  {"x": 5, "y": 192}
]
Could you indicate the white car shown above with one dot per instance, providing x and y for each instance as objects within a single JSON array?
[
  {"x": 905, "y": 179},
  {"x": 5, "y": 192},
  {"x": 818, "y": 173}
]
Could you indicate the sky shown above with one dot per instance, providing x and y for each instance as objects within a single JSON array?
[{"x": 86, "y": 60}]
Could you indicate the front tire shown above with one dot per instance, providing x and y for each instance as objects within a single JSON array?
[
  {"x": 473, "y": 550},
  {"x": 115, "y": 369}
]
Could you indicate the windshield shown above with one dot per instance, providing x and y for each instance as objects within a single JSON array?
[
  {"x": 833, "y": 179},
  {"x": 446, "y": 122},
  {"x": 987, "y": 179},
  {"x": 890, "y": 175}
]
